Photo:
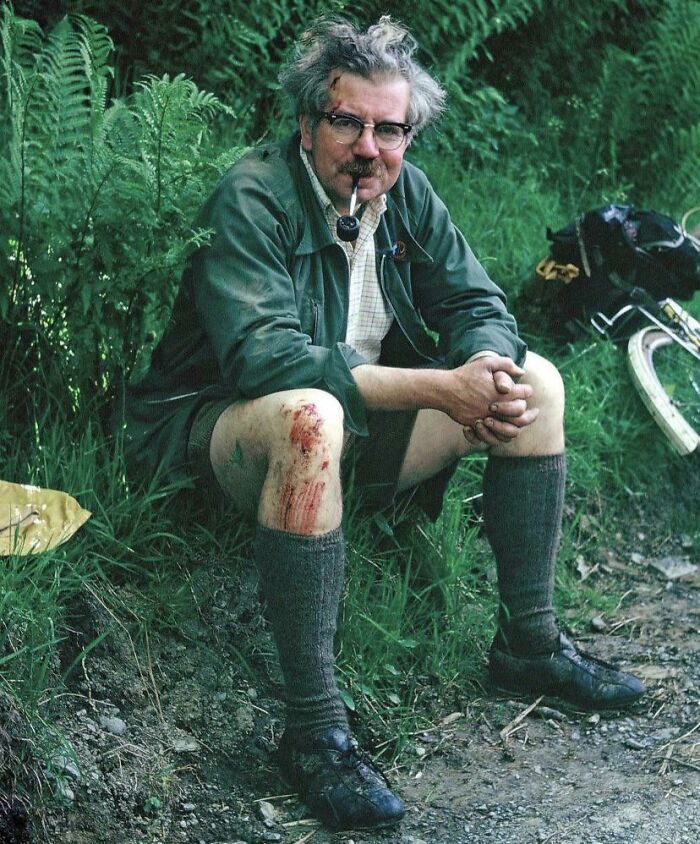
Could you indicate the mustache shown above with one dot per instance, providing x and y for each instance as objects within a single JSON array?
[{"x": 361, "y": 168}]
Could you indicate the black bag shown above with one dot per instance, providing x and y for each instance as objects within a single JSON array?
[{"x": 620, "y": 250}]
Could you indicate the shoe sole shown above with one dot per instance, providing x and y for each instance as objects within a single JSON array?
[{"x": 554, "y": 696}]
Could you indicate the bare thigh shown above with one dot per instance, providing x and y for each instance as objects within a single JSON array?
[{"x": 437, "y": 440}]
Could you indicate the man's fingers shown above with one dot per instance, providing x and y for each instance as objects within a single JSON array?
[
  {"x": 505, "y": 384},
  {"x": 512, "y": 407},
  {"x": 512, "y": 426},
  {"x": 485, "y": 434},
  {"x": 504, "y": 364},
  {"x": 470, "y": 435}
]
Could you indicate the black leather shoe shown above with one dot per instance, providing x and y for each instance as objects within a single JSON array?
[
  {"x": 338, "y": 781},
  {"x": 567, "y": 673}
]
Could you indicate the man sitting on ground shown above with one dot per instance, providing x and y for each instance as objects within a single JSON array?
[{"x": 289, "y": 346}]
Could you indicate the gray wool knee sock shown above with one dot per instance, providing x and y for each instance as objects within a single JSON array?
[
  {"x": 523, "y": 503},
  {"x": 302, "y": 580}
]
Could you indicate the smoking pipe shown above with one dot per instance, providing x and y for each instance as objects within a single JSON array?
[{"x": 348, "y": 226}]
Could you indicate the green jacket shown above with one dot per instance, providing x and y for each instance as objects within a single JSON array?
[{"x": 263, "y": 306}]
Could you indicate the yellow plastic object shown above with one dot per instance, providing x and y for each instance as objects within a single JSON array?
[
  {"x": 549, "y": 270},
  {"x": 34, "y": 520}
]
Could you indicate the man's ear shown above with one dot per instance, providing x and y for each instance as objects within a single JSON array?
[{"x": 306, "y": 134}]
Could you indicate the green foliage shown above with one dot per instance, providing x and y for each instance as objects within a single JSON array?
[
  {"x": 641, "y": 113},
  {"x": 668, "y": 127},
  {"x": 452, "y": 34},
  {"x": 97, "y": 200},
  {"x": 231, "y": 48},
  {"x": 610, "y": 91}
]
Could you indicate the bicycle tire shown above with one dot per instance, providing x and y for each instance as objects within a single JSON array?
[{"x": 679, "y": 423}]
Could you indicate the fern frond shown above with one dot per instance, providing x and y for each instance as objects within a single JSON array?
[
  {"x": 671, "y": 66},
  {"x": 683, "y": 187}
]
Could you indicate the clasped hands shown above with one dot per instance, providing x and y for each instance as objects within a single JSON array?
[{"x": 489, "y": 402}]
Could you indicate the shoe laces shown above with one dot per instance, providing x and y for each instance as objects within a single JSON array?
[
  {"x": 356, "y": 758},
  {"x": 597, "y": 661}
]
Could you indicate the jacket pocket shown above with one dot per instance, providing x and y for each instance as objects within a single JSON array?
[
  {"x": 315, "y": 317},
  {"x": 310, "y": 317}
]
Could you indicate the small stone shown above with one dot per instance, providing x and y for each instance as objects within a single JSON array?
[
  {"x": 185, "y": 744},
  {"x": 244, "y": 719},
  {"x": 267, "y": 813},
  {"x": 582, "y": 567},
  {"x": 271, "y": 836},
  {"x": 636, "y": 557},
  {"x": 65, "y": 765},
  {"x": 594, "y": 719},
  {"x": 666, "y": 734},
  {"x": 188, "y": 807},
  {"x": 252, "y": 694},
  {"x": 113, "y": 725},
  {"x": 634, "y": 744},
  {"x": 65, "y": 791},
  {"x": 599, "y": 624},
  {"x": 183, "y": 824},
  {"x": 673, "y": 568}
]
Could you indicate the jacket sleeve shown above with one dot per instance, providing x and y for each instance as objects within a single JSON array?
[
  {"x": 456, "y": 297},
  {"x": 245, "y": 298}
]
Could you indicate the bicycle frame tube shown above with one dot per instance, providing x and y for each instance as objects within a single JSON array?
[{"x": 681, "y": 320}]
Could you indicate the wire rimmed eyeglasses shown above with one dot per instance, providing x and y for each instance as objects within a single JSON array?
[{"x": 347, "y": 129}]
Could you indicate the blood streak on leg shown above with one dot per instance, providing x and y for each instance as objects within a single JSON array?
[
  {"x": 306, "y": 428},
  {"x": 301, "y": 492},
  {"x": 299, "y": 505}
]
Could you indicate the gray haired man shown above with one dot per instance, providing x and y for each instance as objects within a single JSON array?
[{"x": 288, "y": 343}]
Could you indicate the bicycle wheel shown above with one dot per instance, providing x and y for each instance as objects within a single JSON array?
[{"x": 667, "y": 377}]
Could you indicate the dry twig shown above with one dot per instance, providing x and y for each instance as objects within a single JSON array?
[{"x": 510, "y": 728}]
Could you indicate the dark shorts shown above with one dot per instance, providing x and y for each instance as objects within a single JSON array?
[{"x": 371, "y": 465}]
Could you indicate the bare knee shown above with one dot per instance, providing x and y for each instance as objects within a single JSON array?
[
  {"x": 547, "y": 384},
  {"x": 302, "y": 492},
  {"x": 546, "y": 434},
  {"x": 289, "y": 434},
  {"x": 309, "y": 428}
]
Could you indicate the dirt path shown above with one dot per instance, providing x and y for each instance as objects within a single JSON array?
[{"x": 181, "y": 752}]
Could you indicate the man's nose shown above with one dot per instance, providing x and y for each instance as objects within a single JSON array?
[{"x": 366, "y": 145}]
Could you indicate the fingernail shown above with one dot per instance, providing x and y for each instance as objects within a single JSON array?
[{"x": 493, "y": 407}]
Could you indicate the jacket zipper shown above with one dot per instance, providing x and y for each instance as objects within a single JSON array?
[{"x": 382, "y": 285}]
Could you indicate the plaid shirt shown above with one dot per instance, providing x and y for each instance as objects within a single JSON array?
[{"x": 369, "y": 315}]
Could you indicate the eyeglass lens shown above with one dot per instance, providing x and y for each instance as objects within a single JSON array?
[{"x": 346, "y": 130}]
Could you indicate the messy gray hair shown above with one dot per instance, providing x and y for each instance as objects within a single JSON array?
[{"x": 335, "y": 44}]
